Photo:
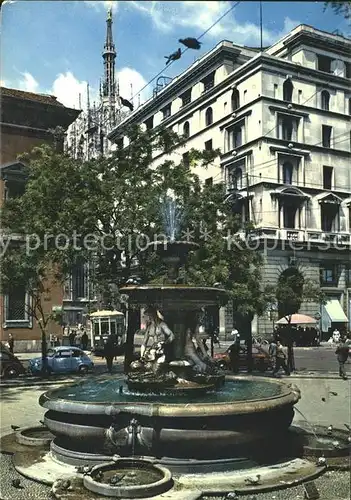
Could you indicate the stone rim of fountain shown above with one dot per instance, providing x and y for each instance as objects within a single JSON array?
[
  {"x": 23, "y": 436},
  {"x": 289, "y": 396},
  {"x": 135, "y": 491}
]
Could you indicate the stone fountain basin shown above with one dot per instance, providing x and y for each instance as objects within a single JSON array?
[
  {"x": 150, "y": 479},
  {"x": 192, "y": 429},
  {"x": 175, "y": 297}
]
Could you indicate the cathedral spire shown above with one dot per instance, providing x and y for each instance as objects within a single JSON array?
[{"x": 109, "y": 56}]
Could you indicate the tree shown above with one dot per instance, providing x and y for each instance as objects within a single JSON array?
[
  {"x": 339, "y": 8},
  {"x": 118, "y": 204},
  {"x": 291, "y": 291}
]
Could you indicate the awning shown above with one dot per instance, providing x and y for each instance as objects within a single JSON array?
[{"x": 335, "y": 311}]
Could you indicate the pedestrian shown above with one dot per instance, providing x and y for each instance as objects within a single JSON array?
[
  {"x": 84, "y": 340},
  {"x": 110, "y": 351},
  {"x": 280, "y": 359},
  {"x": 52, "y": 340},
  {"x": 342, "y": 353},
  {"x": 234, "y": 356},
  {"x": 216, "y": 338},
  {"x": 272, "y": 351},
  {"x": 71, "y": 337},
  {"x": 336, "y": 335},
  {"x": 235, "y": 334},
  {"x": 11, "y": 342}
]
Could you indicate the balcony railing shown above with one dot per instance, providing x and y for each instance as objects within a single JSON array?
[{"x": 301, "y": 235}]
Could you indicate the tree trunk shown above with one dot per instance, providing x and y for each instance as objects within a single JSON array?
[
  {"x": 291, "y": 358},
  {"x": 44, "y": 351}
]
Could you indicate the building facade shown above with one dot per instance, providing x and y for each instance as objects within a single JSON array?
[
  {"x": 27, "y": 120},
  {"x": 281, "y": 118}
]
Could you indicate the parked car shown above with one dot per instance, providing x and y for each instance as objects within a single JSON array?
[
  {"x": 63, "y": 360},
  {"x": 260, "y": 357},
  {"x": 10, "y": 365}
]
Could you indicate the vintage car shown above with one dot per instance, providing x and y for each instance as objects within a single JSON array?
[
  {"x": 260, "y": 357},
  {"x": 63, "y": 360},
  {"x": 10, "y": 365}
]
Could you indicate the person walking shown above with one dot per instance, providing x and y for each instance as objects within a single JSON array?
[
  {"x": 71, "y": 337},
  {"x": 11, "y": 342},
  {"x": 280, "y": 359},
  {"x": 110, "y": 351},
  {"x": 234, "y": 356},
  {"x": 84, "y": 340},
  {"x": 342, "y": 353},
  {"x": 235, "y": 334},
  {"x": 272, "y": 351}
]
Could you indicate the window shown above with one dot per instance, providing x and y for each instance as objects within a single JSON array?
[
  {"x": 348, "y": 70},
  {"x": 327, "y": 177},
  {"x": 166, "y": 112},
  {"x": 149, "y": 123},
  {"x": 350, "y": 106},
  {"x": 235, "y": 100},
  {"x": 287, "y": 90},
  {"x": 16, "y": 304},
  {"x": 289, "y": 214},
  {"x": 236, "y": 178},
  {"x": 328, "y": 275},
  {"x": 288, "y": 128},
  {"x": 326, "y": 136},
  {"x": 235, "y": 136},
  {"x": 209, "y": 181},
  {"x": 208, "y": 145},
  {"x": 186, "y": 159},
  {"x": 186, "y": 129},
  {"x": 80, "y": 281},
  {"x": 120, "y": 143},
  {"x": 330, "y": 217},
  {"x": 209, "y": 117},
  {"x": 324, "y": 63},
  {"x": 208, "y": 82},
  {"x": 287, "y": 173},
  {"x": 348, "y": 275},
  {"x": 325, "y": 98},
  {"x": 186, "y": 97}
]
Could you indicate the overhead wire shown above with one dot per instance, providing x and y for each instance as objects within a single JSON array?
[{"x": 198, "y": 38}]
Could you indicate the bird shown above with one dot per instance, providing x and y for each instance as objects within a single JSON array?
[
  {"x": 330, "y": 429},
  {"x": 84, "y": 469},
  {"x": 115, "y": 458},
  {"x": 321, "y": 461},
  {"x": 99, "y": 476},
  {"x": 191, "y": 43},
  {"x": 232, "y": 495},
  {"x": 333, "y": 393},
  {"x": 174, "y": 56},
  {"x": 42, "y": 422},
  {"x": 127, "y": 103},
  {"x": 323, "y": 399},
  {"x": 15, "y": 427},
  {"x": 16, "y": 483},
  {"x": 254, "y": 480},
  {"x": 117, "y": 478}
]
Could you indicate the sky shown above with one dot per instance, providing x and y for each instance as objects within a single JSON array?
[{"x": 55, "y": 46}]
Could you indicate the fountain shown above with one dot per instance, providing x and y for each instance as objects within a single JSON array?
[{"x": 174, "y": 413}]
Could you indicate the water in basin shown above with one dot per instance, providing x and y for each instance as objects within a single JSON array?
[
  {"x": 131, "y": 477},
  {"x": 115, "y": 390}
]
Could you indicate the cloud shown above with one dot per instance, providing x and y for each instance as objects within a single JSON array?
[
  {"x": 71, "y": 91},
  {"x": 127, "y": 77},
  {"x": 28, "y": 83},
  {"x": 101, "y": 5},
  {"x": 192, "y": 18}
]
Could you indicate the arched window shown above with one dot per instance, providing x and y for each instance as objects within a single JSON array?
[
  {"x": 209, "y": 117},
  {"x": 287, "y": 173},
  {"x": 325, "y": 98},
  {"x": 186, "y": 129},
  {"x": 235, "y": 99},
  {"x": 288, "y": 90}
]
